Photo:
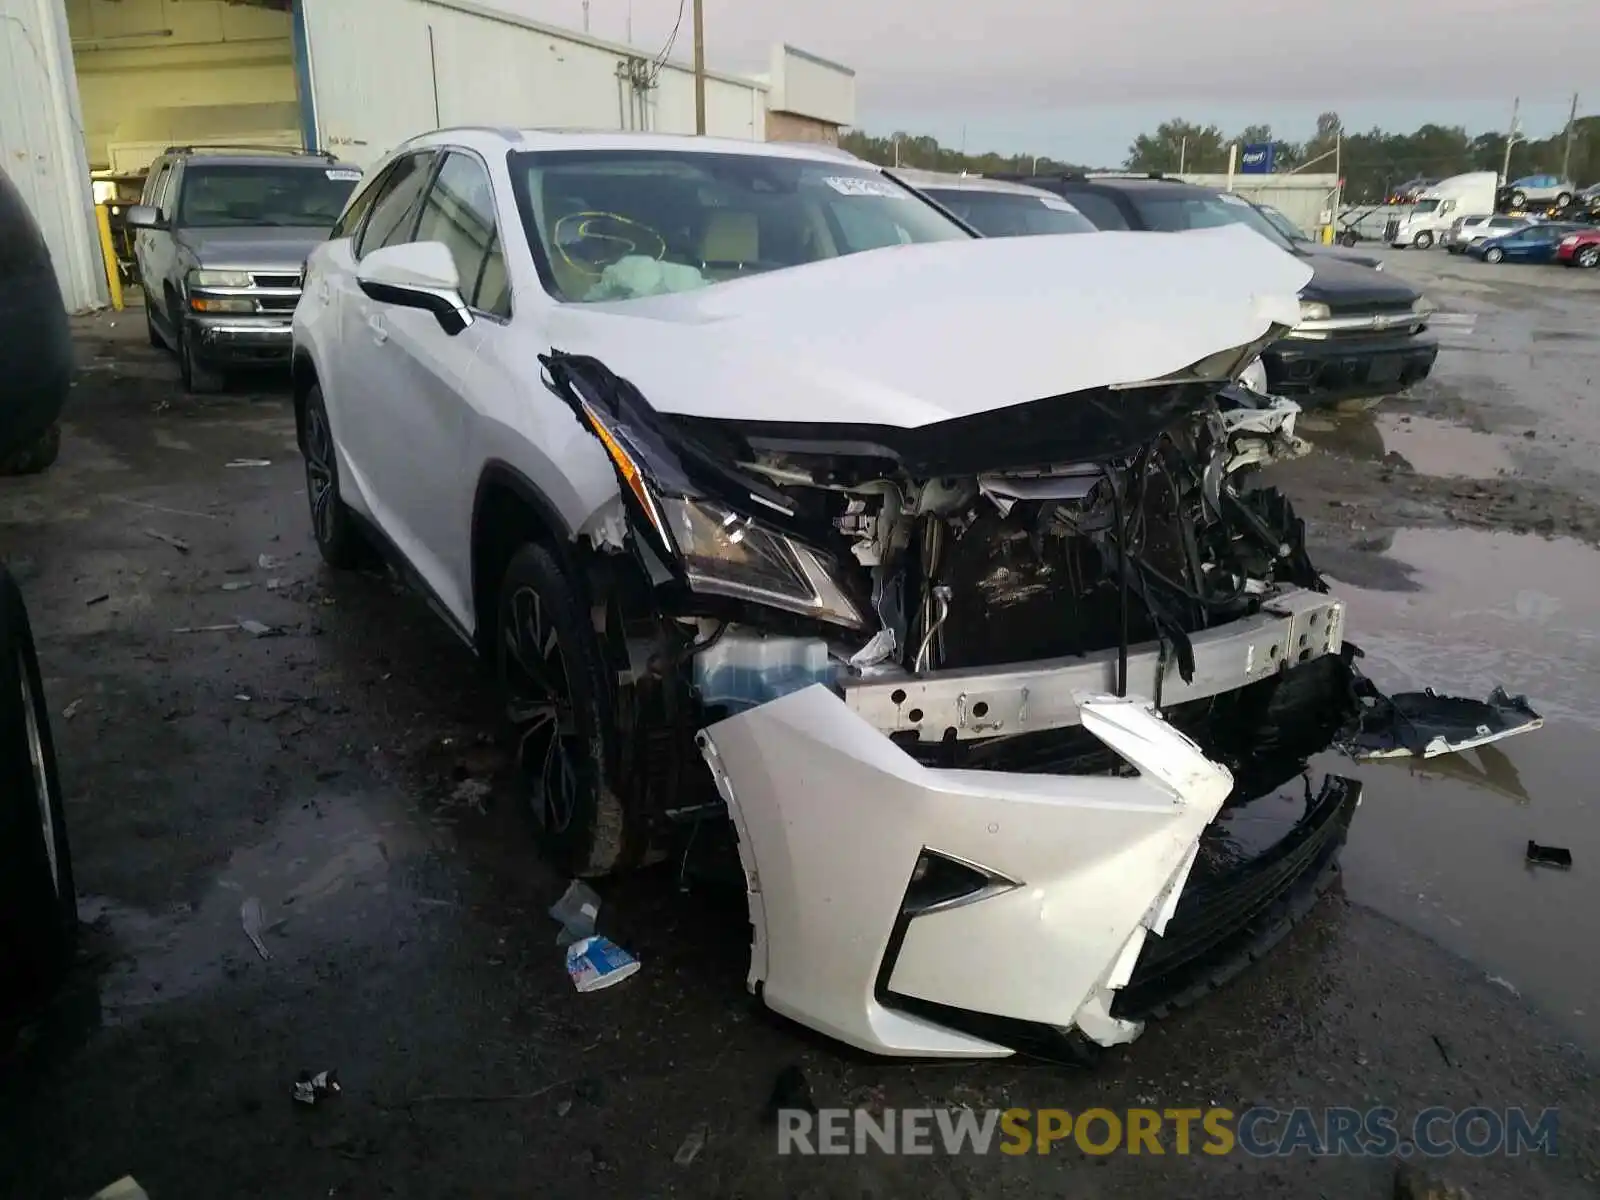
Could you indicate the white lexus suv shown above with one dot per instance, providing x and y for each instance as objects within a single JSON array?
[{"x": 934, "y": 564}]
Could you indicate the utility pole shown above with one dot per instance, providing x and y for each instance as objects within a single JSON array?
[
  {"x": 897, "y": 152},
  {"x": 1511, "y": 140},
  {"x": 1183, "y": 153},
  {"x": 699, "y": 68},
  {"x": 1572, "y": 123},
  {"x": 586, "y": 16}
]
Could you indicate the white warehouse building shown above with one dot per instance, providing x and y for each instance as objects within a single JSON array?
[{"x": 95, "y": 89}]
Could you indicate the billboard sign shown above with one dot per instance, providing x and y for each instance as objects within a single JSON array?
[{"x": 1256, "y": 159}]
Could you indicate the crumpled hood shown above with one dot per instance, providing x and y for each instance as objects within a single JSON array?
[
  {"x": 911, "y": 335},
  {"x": 287, "y": 248}
]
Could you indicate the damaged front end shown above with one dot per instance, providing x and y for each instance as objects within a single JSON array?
[{"x": 996, "y": 705}]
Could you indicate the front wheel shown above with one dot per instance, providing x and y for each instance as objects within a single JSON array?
[
  {"x": 558, "y": 701},
  {"x": 1563, "y": 199},
  {"x": 36, "y": 455},
  {"x": 38, "y": 905},
  {"x": 198, "y": 378},
  {"x": 1424, "y": 240},
  {"x": 1494, "y": 254},
  {"x": 1588, "y": 256},
  {"x": 1519, "y": 199}
]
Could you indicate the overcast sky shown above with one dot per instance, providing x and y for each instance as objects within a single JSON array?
[{"x": 1079, "y": 81}]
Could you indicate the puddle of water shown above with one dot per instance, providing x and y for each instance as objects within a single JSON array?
[
  {"x": 1440, "y": 844},
  {"x": 1435, "y": 447},
  {"x": 321, "y": 874}
]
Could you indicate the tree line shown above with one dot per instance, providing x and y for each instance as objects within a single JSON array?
[{"x": 1372, "y": 163}]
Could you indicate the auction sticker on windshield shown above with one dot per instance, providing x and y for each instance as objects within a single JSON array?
[
  {"x": 856, "y": 185},
  {"x": 342, "y": 175}
]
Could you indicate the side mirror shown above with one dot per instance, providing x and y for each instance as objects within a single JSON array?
[
  {"x": 144, "y": 216},
  {"x": 417, "y": 275}
]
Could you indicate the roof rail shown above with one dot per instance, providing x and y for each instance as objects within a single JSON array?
[{"x": 208, "y": 147}]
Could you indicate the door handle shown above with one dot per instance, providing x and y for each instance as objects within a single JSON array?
[{"x": 380, "y": 332}]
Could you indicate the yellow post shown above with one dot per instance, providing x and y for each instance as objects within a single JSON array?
[
  {"x": 1327, "y": 235},
  {"x": 102, "y": 216}
]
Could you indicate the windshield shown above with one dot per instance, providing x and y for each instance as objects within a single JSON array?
[
  {"x": 1283, "y": 224},
  {"x": 1424, "y": 206},
  {"x": 292, "y": 196},
  {"x": 1173, "y": 212},
  {"x": 620, "y": 224},
  {"x": 1011, "y": 214}
]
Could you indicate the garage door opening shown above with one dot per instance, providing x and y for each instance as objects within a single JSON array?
[{"x": 159, "y": 73}]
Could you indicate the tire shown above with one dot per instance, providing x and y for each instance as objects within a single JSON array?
[
  {"x": 1494, "y": 254},
  {"x": 1423, "y": 240},
  {"x": 339, "y": 539},
  {"x": 41, "y": 453},
  {"x": 1519, "y": 199},
  {"x": 150, "y": 329},
  {"x": 557, "y": 693},
  {"x": 1563, "y": 199},
  {"x": 1587, "y": 257},
  {"x": 38, "y": 904},
  {"x": 198, "y": 379},
  {"x": 1348, "y": 239}
]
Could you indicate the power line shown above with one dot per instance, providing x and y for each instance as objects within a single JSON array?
[{"x": 660, "y": 60}]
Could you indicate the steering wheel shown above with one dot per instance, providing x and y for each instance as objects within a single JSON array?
[{"x": 592, "y": 241}]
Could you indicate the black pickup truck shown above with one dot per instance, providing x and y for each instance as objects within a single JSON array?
[
  {"x": 1362, "y": 334},
  {"x": 35, "y": 341}
]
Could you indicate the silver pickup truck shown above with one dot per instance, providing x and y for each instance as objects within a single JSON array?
[{"x": 221, "y": 237}]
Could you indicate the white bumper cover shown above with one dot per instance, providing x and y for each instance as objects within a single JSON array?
[{"x": 832, "y": 818}]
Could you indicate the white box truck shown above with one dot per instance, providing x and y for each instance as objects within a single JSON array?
[{"x": 1423, "y": 223}]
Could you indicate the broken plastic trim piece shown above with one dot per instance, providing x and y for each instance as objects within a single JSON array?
[{"x": 1426, "y": 724}]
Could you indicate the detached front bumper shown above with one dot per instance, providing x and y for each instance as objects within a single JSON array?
[{"x": 1321, "y": 371}]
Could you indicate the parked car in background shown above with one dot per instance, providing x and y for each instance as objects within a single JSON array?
[
  {"x": 1407, "y": 192},
  {"x": 1362, "y": 333},
  {"x": 1306, "y": 244},
  {"x": 35, "y": 341},
  {"x": 1535, "y": 244},
  {"x": 997, "y": 207},
  {"x": 222, "y": 237},
  {"x": 1437, "y": 208},
  {"x": 1580, "y": 248},
  {"x": 1538, "y": 191},
  {"x": 1467, "y": 231}
]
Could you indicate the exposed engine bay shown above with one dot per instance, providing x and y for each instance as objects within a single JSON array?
[{"x": 1027, "y": 665}]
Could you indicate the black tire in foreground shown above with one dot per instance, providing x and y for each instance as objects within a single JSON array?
[
  {"x": 38, "y": 906},
  {"x": 36, "y": 456},
  {"x": 339, "y": 539},
  {"x": 558, "y": 700}
]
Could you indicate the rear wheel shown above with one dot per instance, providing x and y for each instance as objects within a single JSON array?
[
  {"x": 1564, "y": 199},
  {"x": 1494, "y": 254},
  {"x": 1587, "y": 256},
  {"x": 38, "y": 906},
  {"x": 558, "y": 701},
  {"x": 339, "y": 541}
]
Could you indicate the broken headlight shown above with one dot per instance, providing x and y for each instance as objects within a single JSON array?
[
  {"x": 716, "y": 550},
  {"x": 725, "y": 553}
]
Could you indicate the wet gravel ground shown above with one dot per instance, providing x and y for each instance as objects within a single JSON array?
[{"x": 341, "y": 773}]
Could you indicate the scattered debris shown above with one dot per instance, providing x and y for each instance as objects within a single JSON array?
[
  {"x": 126, "y": 1188},
  {"x": 250, "y": 918},
  {"x": 206, "y": 628},
  {"x": 274, "y": 584},
  {"x": 1444, "y": 1051},
  {"x": 472, "y": 793},
  {"x": 577, "y": 910},
  {"x": 689, "y": 1149},
  {"x": 245, "y": 696},
  {"x": 249, "y": 462},
  {"x": 312, "y": 1089},
  {"x": 790, "y": 1091},
  {"x": 1500, "y": 981},
  {"x": 563, "y": 1108},
  {"x": 267, "y": 562},
  {"x": 100, "y": 599},
  {"x": 1549, "y": 856},
  {"x": 175, "y": 512},
  {"x": 237, "y": 585},
  {"x": 1412, "y": 1182},
  {"x": 71, "y": 711},
  {"x": 177, "y": 543},
  {"x": 598, "y": 962},
  {"x": 257, "y": 629}
]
